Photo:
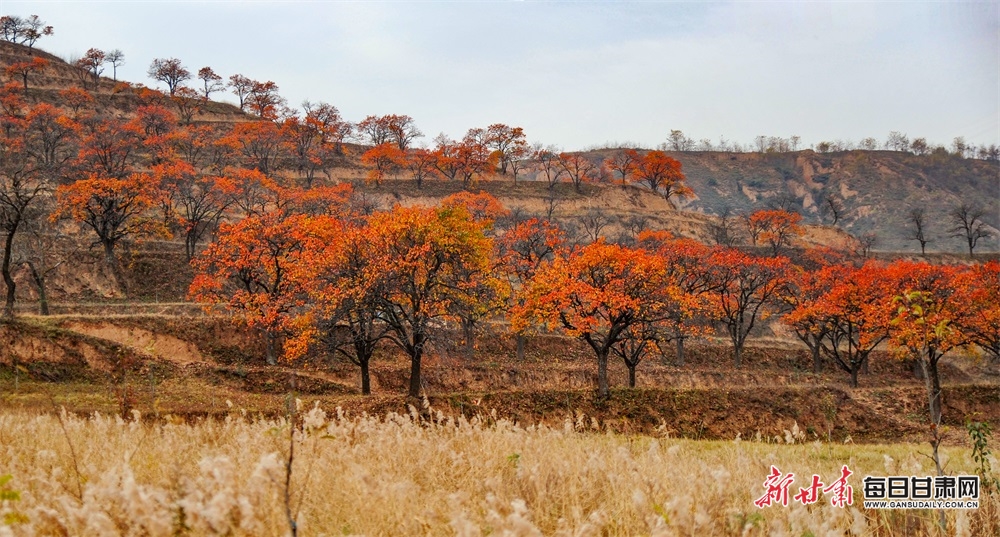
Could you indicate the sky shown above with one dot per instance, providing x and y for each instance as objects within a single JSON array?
[{"x": 582, "y": 74}]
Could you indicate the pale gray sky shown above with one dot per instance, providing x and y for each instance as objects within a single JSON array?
[{"x": 576, "y": 74}]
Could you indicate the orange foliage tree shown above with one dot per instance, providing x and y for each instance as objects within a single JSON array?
[
  {"x": 597, "y": 293},
  {"x": 744, "y": 289},
  {"x": 521, "y": 250},
  {"x": 344, "y": 286},
  {"x": 508, "y": 143},
  {"x": 686, "y": 277},
  {"x": 852, "y": 305},
  {"x": 774, "y": 226},
  {"x": 248, "y": 270},
  {"x": 425, "y": 257},
  {"x": 623, "y": 162},
  {"x": 661, "y": 174},
  {"x": 579, "y": 169},
  {"x": 24, "y": 69},
  {"x": 113, "y": 208},
  {"x": 980, "y": 288},
  {"x": 930, "y": 306},
  {"x": 383, "y": 160}
]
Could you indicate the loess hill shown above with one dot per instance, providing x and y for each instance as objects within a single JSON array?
[{"x": 145, "y": 347}]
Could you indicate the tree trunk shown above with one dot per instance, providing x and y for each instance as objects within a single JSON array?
[
  {"x": 737, "y": 354},
  {"x": 854, "y": 377},
  {"x": 468, "y": 333},
  {"x": 932, "y": 382},
  {"x": 415, "y": 354},
  {"x": 817, "y": 360},
  {"x": 39, "y": 279},
  {"x": 366, "y": 384},
  {"x": 8, "y": 305},
  {"x": 520, "y": 347},
  {"x": 631, "y": 374},
  {"x": 680, "y": 350},
  {"x": 270, "y": 348},
  {"x": 602, "y": 373}
]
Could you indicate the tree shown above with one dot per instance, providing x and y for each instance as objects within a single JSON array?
[
  {"x": 211, "y": 82},
  {"x": 507, "y": 142},
  {"x": 195, "y": 201},
  {"x": 623, "y": 162},
  {"x": 247, "y": 269},
  {"x": 594, "y": 222},
  {"x": 775, "y": 227},
  {"x": 579, "y": 169},
  {"x": 92, "y": 62},
  {"x": 924, "y": 327},
  {"x": 686, "y": 288},
  {"x": 854, "y": 307},
  {"x": 918, "y": 230},
  {"x": 549, "y": 163},
  {"x": 833, "y": 207},
  {"x": 803, "y": 316},
  {"x": 116, "y": 58},
  {"x": 264, "y": 101},
  {"x": 967, "y": 223},
  {"x": 424, "y": 257},
  {"x": 32, "y": 157},
  {"x": 420, "y": 163},
  {"x": 661, "y": 174},
  {"x": 596, "y": 293},
  {"x": 344, "y": 296},
  {"x": 979, "y": 289},
  {"x": 10, "y": 28},
  {"x": 897, "y": 141},
  {"x": 24, "y": 31},
  {"x": 743, "y": 290},
  {"x": 261, "y": 143},
  {"x": 402, "y": 130},
  {"x": 919, "y": 146},
  {"x": 75, "y": 98},
  {"x": 677, "y": 141},
  {"x": 383, "y": 160},
  {"x": 26, "y": 68},
  {"x": 398, "y": 129},
  {"x": 521, "y": 251},
  {"x": 723, "y": 230},
  {"x": 170, "y": 72},
  {"x": 241, "y": 86},
  {"x": 113, "y": 208},
  {"x": 33, "y": 30}
]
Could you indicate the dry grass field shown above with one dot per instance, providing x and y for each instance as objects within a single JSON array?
[{"x": 406, "y": 475}]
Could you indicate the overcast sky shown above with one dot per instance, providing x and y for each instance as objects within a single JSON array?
[{"x": 578, "y": 74}]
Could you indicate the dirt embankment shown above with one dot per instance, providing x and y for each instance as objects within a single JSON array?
[{"x": 191, "y": 366}]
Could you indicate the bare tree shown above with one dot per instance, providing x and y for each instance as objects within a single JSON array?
[
  {"x": 785, "y": 201},
  {"x": 897, "y": 141},
  {"x": 723, "y": 231},
  {"x": 918, "y": 229},
  {"x": 170, "y": 72},
  {"x": 866, "y": 242},
  {"x": 241, "y": 86},
  {"x": 115, "y": 57},
  {"x": 832, "y": 206},
  {"x": 968, "y": 224},
  {"x": 594, "y": 222}
]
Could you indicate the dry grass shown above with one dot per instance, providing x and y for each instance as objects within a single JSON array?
[{"x": 403, "y": 476}]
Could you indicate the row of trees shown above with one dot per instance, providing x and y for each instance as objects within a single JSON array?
[
  {"x": 347, "y": 281},
  {"x": 23, "y": 30},
  {"x": 895, "y": 141}
]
